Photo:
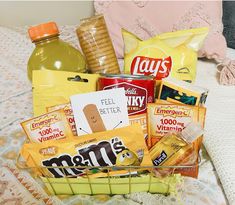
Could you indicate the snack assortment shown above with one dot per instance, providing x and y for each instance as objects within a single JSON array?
[{"x": 141, "y": 120}]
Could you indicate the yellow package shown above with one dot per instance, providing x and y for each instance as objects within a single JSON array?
[
  {"x": 69, "y": 114},
  {"x": 47, "y": 127},
  {"x": 141, "y": 120},
  {"x": 177, "y": 91},
  {"x": 55, "y": 87},
  {"x": 120, "y": 147},
  {"x": 176, "y": 149},
  {"x": 164, "y": 117},
  {"x": 169, "y": 54}
]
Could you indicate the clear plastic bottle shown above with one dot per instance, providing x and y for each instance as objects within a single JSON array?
[{"x": 51, "y": 52}]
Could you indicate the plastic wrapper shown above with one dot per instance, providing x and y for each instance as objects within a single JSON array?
[
  {"x": 169, "y": 54},
  {"x": 97, "y": 46},
  {"x": 119, "y": 147},
  {"x": 176, "y": 149}
]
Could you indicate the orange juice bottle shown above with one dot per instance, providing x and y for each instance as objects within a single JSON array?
[{"x": 51, "y": 52}]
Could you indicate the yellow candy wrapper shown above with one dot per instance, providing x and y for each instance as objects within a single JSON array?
[
  {"x": 47, "y": 127},
  {"x": 55, "y": 87},
  {"x": 69, "y": 114},
  {"x": 169, "y": 54},
  {"x": 119, "y": 147}
]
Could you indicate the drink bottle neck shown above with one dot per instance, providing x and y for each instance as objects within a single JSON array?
[{"x": 46, "y": 40}]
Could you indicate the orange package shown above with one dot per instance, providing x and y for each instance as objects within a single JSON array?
[
  {"x": 164, "y": 117},
  {"x": 176, "y": 149},
  {"x": 69, "y": 114},
  {"x": 47, "y": 127}
]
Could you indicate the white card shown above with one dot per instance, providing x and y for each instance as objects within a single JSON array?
[{"x": 100, "y": 111}]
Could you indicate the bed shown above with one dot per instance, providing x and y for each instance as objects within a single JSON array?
[{"x": 215, "y": 184}]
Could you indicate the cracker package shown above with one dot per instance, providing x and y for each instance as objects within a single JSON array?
[
  {"x": 169, "y": 54},
  {"x": 69, "y": 114},
  {"x": 55, "y": 87},
  {"x": 47, "y": 127},
  {"x": 178, "y": 91},
  {"x": 119, "y": 147}
]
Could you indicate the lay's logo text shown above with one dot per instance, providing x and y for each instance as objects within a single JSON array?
[
  {"x": 157, "y": 67},
  {"x": 172, "y": 111},
  {"x": 44, "y": 122}
]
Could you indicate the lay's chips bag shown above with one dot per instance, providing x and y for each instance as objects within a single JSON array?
[{"x": 169, "y": 54}]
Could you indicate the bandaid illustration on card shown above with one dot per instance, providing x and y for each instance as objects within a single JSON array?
[
  {"x": 100, "y": 111},
  {"x": 93, "y": 118}
]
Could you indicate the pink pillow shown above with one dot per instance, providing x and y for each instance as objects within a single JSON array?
[{"x": 148, "y": 18}]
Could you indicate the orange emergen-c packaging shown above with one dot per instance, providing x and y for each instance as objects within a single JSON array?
[
  {"x": 69, "y": 114},
  {"x": 47, "y": 127},
  {"x": 120, "y": 147},
  {"x": 164, "y": 117}
]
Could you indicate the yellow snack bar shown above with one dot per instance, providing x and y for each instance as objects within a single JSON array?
[
  {"x": 164, "y": 117},
  {"x": 55, "y": 87},
  {"x": 169, "y": 54},
  {"x": 121, "y": 147},
  {"x": 69, "y": 114},
  {"x": 47, "y": 127},
  {"x": 177, "y": 91}
]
